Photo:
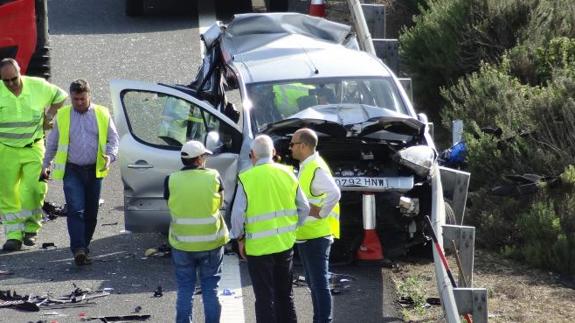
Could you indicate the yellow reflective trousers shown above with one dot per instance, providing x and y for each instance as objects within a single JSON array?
[{"x": 21, "y": 192}]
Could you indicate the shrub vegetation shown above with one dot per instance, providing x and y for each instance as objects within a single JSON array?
[{"x": 507, "y": 65}]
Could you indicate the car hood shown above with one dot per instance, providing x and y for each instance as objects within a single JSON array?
[{"x": 348, "y": 120}]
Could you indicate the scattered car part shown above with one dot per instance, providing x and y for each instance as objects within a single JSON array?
[
  {"x": 47, "y": 245},
  {"x": 119, "y": 318},
  {"x": 158, "y": 292}
]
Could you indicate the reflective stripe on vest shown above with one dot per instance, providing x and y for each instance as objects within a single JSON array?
[
  {"x": 194, "y": 207},
  {"x": 271, "y": 214},
  {"x": 314, "y": 227},
  {"x": 63, "y": 121}
]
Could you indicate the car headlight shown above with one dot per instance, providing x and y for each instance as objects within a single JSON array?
[{"x": 417, "y": 158}]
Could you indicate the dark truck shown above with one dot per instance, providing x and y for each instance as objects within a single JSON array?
[{"x": 24, "y": 35}]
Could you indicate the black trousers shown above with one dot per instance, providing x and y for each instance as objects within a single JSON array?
[{"x": 272, "y": 277}]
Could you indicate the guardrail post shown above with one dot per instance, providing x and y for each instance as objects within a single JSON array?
[
  {"x": 407, "y": 86},
  {"x": 464, "y": 237},
  {"x": 455, "y": 185},
  {"x": 388, "y": 51},
  {"x": 472, "y": 301},
  {"x": 375, "y": 19}
]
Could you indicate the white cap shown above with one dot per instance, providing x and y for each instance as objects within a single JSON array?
[{"x": 193, "y": 149}]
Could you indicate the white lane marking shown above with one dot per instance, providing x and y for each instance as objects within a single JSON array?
[
  {"x": 206, "y": 18},
  {"x": 230, "y": 292}
]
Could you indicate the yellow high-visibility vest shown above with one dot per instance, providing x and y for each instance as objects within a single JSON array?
[
  {"x": 314, "y": 227},
  {"x": 194, "y": 203},
  {"x": 271, "y": 215},
  {"x": 63, "y": 121},
  {"x": 22, "y": 116}
]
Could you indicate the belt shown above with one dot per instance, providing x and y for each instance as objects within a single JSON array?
[
  {"x": 76, "y": 166},
  {"x": 33, "y": 142}
]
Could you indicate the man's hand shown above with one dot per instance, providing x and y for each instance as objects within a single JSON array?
[
  {"x": 242, "y": 248},
  {"x": 48, "y": 124},
  {"x": 314, "y": 211},
  {"x": 45, "y": 175},
  {"x": 108, "y": 160}
]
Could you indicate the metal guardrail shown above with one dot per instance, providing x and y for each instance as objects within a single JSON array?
[{"x": 463, "y": 299}]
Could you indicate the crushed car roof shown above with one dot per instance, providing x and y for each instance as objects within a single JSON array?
[{"x": 290, "y": 46}]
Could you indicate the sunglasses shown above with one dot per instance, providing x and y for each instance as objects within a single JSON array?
[
  {"x": 14, "y": 79},
  {"x": 291, "y": 144}
]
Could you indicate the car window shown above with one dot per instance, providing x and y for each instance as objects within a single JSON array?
[
  {"x": 276, "y": 101},
  {"x": 164, "y": 120}
]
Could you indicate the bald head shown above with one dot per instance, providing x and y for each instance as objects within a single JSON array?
[
  {"x": 303, "y": 144},
  {"x": 307, "y": 137}
]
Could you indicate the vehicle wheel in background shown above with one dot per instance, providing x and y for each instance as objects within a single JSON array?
[
  {"x": 40, "y": 64},
  {"x": 234, "y": 6},
  {"x": 277, "y": 5},
  {"x": 134, "y": 8}
]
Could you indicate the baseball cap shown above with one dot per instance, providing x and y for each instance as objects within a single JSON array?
[{"x": 193, "y": 149}]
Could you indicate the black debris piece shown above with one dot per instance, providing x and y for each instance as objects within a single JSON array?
[
  {"x": 158, "y": 292},
  {"x": 433, "y": 301},
  {"x": 108, "y": 224},
  {"x": 47, "y": 245},
  {"x": 138, "y": 309},
  {"x": 52, "y": 210},
  {"x": 119, "y": 318}
]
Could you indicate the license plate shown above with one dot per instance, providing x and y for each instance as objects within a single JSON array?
[{"x": 376, "y": 184}]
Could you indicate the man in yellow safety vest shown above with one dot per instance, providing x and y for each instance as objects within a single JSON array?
[
  {"x": 315, "y": 237},
  {"x": 83, "y": 143},
  {"x": 268, "y": 207},
  {"x": 22, "y": 116},
  {"x": 198, "y": 231}
]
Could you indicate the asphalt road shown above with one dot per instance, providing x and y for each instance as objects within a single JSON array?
[{"x": 93, "y": 39}]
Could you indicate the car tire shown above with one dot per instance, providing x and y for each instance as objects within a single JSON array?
[
  {"x": 277, "y": 5},
  {"x": 39, "y": 64},
  {"x": 134, "y": 8}
]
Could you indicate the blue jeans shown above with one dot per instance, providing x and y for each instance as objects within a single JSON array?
[
  {"x": 82, "y": 193},
  {"x": 314, "y": 256},
  {"x": 209, "y": 265}
]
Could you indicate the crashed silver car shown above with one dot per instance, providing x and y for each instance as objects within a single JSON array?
[{"x": 273, "y": 74}]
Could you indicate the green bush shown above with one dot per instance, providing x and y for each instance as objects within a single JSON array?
[{"x": 452, "y": 37}]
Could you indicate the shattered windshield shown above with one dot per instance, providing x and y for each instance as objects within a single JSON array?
[{"x": 276, "y": 101}]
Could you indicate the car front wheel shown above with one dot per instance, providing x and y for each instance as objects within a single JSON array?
[{"x": 134, "y": 8}]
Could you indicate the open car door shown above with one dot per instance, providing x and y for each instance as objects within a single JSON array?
[{"x": 153, "y": 122}]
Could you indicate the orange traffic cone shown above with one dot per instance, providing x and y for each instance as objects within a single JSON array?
[
  {"x": 317, "y": 8},
  {"x": 370, "y": 248}
]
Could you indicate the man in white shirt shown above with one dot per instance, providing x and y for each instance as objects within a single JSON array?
[{"x": 322, "y": 225}]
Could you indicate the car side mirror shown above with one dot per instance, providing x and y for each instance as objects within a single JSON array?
[{"x": 213, "y": 141}]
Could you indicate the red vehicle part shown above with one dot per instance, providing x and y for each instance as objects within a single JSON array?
[{"x": 24, "y": 35}]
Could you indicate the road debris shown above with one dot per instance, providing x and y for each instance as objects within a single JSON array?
[
  {"x": 53, "y": 211},
  {"x": 109, "y": 224},
  {"x": 30, "y": 303},
  {"x": 158, "y": 292},
  {"x": 5, "y": 272},
  {"x": 161, "y": 251},
  {"x": 119, "y": 318},
  {"x": 47, "y": 245}
]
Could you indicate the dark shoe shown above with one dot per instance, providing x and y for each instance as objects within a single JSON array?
[
  {"x": 12, "y": 245},
  {"x": 29, "y": 239},
  {"x": 80, "y": 257}
]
